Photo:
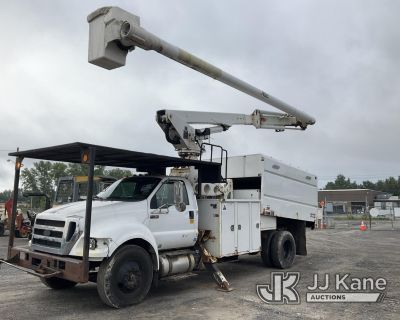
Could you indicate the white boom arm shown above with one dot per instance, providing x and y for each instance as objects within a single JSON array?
[
  {"x": 114, "y": 32},
  {"x": 178, "y": 129}
]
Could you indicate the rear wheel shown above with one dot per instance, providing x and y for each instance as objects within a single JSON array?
[
  {"x": 283, "y": 249},
  {"x": 58, "y": 283},
  {"x": 126, "y": 277},
  {"x": 266, "y": 239}
]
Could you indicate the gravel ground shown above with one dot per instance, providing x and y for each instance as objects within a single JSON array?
[{"x": 362, "y": 254}]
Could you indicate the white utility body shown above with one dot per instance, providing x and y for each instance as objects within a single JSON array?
[
  {"x": 264, "y": 190},
  {"x": 234, "y": 226},
  {"x": 284, "y": 191}
]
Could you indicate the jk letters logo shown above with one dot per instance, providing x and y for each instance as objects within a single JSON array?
[{"x": 281, "y": 290}]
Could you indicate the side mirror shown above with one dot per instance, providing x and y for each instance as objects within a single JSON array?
[{"x": 178, "y": 196}]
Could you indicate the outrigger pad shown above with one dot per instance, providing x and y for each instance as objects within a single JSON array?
[{"x": 223, "y": 284}]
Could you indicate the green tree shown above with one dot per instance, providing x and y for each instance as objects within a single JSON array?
[
  {"x": 58, "y": 170},
  {"x": 117, "y": 173},
  {"x": 77, "y": 169},
  {"x": 341, "y": 183},
  {"x": 368, "y": 185},
  {"x": 5, "y": 195},
  {"x": 39, "y": 178},
  {"x": 390, "y": 185},
  {"x": 29, "y": 182},
  {"x": 44, "y": 175}
]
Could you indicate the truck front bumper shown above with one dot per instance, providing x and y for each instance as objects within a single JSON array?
[{"x": 46, "y": 265}]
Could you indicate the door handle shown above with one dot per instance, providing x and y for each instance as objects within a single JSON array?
[
  {"x": 232, "y": 228},
  {"x": 160, "y": 211},
  {"x": 239, "y": 227}
]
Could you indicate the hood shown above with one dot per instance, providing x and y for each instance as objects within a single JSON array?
[{"x": 101, "y": 210}]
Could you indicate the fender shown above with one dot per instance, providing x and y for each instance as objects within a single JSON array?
[{"x": 116, "y": 236}]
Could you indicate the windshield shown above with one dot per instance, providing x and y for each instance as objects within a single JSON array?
[
  {"x": 65, "y": 192},
  {"x": 130, "y": 189}
]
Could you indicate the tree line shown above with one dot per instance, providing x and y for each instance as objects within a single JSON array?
[
  {"x": 390, "y": 185},
  {"x": 44, "y": 175}
]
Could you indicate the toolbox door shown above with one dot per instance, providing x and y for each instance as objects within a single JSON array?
[
  {"x": 228, "y": 229},
  {"x": 243, "y": 217}
]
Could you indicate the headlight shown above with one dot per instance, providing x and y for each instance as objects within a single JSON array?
[{"x": 92, "y": 244}]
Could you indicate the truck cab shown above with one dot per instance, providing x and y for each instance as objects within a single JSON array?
[
  {"x": 146, "y": 227},
  {"x": 136, "y": 207}
]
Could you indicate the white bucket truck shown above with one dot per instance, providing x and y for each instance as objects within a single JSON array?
[{"x": 143, "y": 228}]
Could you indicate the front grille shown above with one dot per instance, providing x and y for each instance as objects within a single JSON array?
[
  {"x": 47, "y": 243},
  {"x": 53, "y": 223},
  {"x": 71, "y": 231},
  {"x": 54, "y": 236},
  {"x": 48, "y": 233}
]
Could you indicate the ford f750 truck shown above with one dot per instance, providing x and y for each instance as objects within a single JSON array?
[
  {"x": 146, "y": 227},
  {"x": 184, "y": 214}
]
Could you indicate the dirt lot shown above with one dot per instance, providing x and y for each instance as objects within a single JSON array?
[{"x": 362, "y": 254}]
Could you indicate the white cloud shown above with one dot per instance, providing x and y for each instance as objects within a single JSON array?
[{"x": 337, "y": 60}]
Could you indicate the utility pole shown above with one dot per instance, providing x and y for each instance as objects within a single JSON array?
[{"x": 367, "y": 210}]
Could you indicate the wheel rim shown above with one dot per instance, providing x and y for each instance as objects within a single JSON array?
[{"x": 129, "y": 277}]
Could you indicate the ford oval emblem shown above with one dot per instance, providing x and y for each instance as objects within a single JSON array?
[{"x": 46, "y": 233}]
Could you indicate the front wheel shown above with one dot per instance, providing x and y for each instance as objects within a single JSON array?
[
  {"x": 58, "y": 283},
  {"x": 126, "y": 277}
]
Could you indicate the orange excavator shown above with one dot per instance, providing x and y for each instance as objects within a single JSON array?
[
  {"x": 23, "y": 225},
  {"x": 69, "y": 189}
]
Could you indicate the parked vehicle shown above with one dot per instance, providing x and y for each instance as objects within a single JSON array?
[
  {"x": 143, "y": 228},
  {"x": 22, "y": 222},
  {"x": 74, "y": 188}
]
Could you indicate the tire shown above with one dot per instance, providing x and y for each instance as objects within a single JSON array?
[
  {"x": 58, "y": 283},
  {"x": 266, "y": 247},
  {"x": 125, "y": 278},
  {"x": 1, "y": 229},
  {"x": 283, "y": 249}
]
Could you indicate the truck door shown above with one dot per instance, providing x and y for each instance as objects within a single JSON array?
[{"x": 170, "y": 227}]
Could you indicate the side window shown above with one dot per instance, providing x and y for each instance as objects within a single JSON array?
[
  {"x": 64, "y": 192},
  {"x": 165, "y": 196},
  {"x": 185, "y": 195}
]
